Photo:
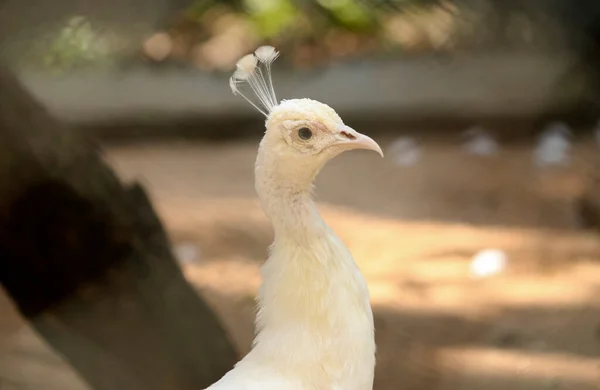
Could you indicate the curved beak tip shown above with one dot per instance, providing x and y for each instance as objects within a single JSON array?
[
  {"x": 356, "y": 140},
  {"x": 365, "y": 142}
]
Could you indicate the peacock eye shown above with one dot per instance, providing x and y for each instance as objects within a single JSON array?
[{"x": 305, "y": 133}]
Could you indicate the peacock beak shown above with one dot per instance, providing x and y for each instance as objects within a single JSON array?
[{"x": 348, "y": 139}]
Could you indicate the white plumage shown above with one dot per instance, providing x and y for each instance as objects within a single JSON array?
[{"x": 314, "y": 325}]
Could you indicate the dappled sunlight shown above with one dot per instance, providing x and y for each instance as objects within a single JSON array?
[
  {"x": 516, "y": 325},
  {"x": 437, "y": 323},
  {"x": 439, "y": 326},
  {"x": 548, "y": 370},
  {"x": 235, "y": 278},
  {"x": 414, "y": 232}
]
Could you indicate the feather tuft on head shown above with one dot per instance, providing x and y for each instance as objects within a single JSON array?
[
  {"x": 255, "y": 70},
  {"x": 266, "y": 54},
  {"x": 233, "y": 86},
  {"x": 246, "y": 66}
]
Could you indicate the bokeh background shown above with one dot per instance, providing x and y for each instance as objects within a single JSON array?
[{"x": 479, "y": 233}]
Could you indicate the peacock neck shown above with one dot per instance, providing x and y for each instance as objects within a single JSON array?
[
  {"x": 314, "y": 312},
  {"x": 285, "y": 195}
]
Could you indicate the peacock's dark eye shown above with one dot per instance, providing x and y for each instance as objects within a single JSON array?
[{"x": 305, "y": 133}]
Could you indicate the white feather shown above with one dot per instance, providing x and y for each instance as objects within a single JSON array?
[
  {"x": 233, "y": 85},
  {"x": 314, "y": 323},
  {"x": 246, "y": 66},
  {"x": 255, "y": 70},
  {"x": 266, "y": 54}
]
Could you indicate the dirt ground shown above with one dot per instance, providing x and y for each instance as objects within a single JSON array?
[{"x": 413, "y": 232}]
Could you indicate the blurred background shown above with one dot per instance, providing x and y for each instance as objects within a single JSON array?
[{"x": 478, "y": 234}]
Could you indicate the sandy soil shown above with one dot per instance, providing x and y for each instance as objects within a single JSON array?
[{"x": 413, "y": 231}]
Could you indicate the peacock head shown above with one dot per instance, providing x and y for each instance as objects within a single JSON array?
[{"x": 299, "y": 132}]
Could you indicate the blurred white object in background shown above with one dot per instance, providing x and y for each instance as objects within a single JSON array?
[
  {"x": 488, "y": 262},
  {"x": 404, "y": 151},
  {"x": 554, "y": 146},
  {"x": 187, "y": 253},
  {"x": 480, "y": 142}
]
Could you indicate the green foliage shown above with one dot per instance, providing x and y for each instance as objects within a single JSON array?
[
  {"x": 76, "y": 45},
  {"x": 271, "y": 16},
  {"x": 350, "y": 14}
]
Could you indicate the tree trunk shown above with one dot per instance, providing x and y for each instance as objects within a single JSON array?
[{"x": 88, "y": 263}]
